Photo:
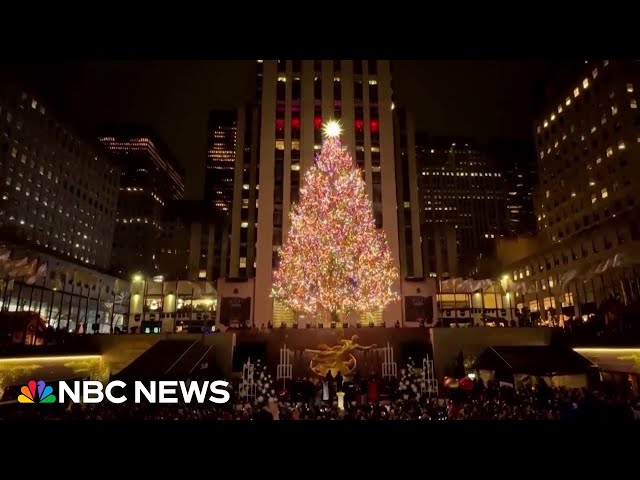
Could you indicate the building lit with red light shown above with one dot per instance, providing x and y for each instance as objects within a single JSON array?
[
  {"x": 150, "y": 178},
  {"x": 279, "y": 141}
]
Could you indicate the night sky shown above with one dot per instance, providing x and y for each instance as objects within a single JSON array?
[{"x": 481, "y": 99}]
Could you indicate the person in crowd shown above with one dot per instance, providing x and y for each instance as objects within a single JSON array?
[{"x": 339, "y": 381}]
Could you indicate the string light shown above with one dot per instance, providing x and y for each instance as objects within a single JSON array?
[{"x": 334, "y": 260}]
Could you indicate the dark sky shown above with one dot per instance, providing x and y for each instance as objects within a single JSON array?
[{"x": 481, "y": 99}]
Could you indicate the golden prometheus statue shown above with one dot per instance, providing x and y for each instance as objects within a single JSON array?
[{"x": 337, "y": 358}]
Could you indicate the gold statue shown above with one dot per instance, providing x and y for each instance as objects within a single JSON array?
[{"x": 337, "y": 358}]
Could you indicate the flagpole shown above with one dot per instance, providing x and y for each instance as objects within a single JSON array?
[{"x": 73, "y": 287}]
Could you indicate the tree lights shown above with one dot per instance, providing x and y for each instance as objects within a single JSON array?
[{"x": 334, "y": 261}]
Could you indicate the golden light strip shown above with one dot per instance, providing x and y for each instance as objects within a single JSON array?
[{"x": 49, "y": 359}]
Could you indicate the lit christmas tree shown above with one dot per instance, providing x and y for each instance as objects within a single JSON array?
[{"x": 334, "y": 261}]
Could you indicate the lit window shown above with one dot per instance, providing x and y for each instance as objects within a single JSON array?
[
  {"x": 202, "y": 274},
  {"x": 634, "y": 104},
  {"x": 260, "y": 61},
  {"x": 598, "y": 160},
  {"x": 591, "y": 183},
  {"x": 559, "y": 108},
  {"x": 603, "y": 119},
  {"x": 567, "y": 101},
  {"x": 34, "y": 103},
  {"x": 604, "y": 193},
  {"x": 609, "y": 151},
  {"x": 244, "y": 224},
  {"x": 553, "y": 117},
  {"x": 295, "y": 144},
  {"x": 630, "y": 87},
  {"x": 14, "y": 152},
  {"x": 373, "y": 82},
  {"x": 279, "y": 144},
  {"x": 538, "y": 129},
  {"x": 245, "y": 186},
  {"x": 573, "y": 194},
  {"x": 282, "y": 79},
  {"x": 593, "y": 129},
  {"x": 594, "y": 199},
  {"x": 594, "y": 73},
  {"x": 585, "y": 83},
  {"x": 555, "y": 145},
  {"x": 605, "y": 62},
  {"x": 576, "y": 92},
  {"x": 295, "y": 167},
  {"x": 546, "y": 194},
  {"x": 614, "y": 110},
  {"x": 546, "y": 124},
  {"x": 621, "y": 146},
  {"x": 375, "y": 149},
  {"x": 243, "y": 262}
]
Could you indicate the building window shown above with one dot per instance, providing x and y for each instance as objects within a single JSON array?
[
  {"x": 609, "y": 151},
  {"x": 585, "y": 83},
  {"x": 634, "y": 104},
  {"x": 630, "y": 87},
  {"x": 614, "y": 110},
  {"x": 604, "y": 193},
  {"x": 202, "y": 274},
  {"x": 594, "y": 199},
  {"x": 243, "y": 262},
  {"x": 576, "y": 92},
  {"x": 594, "y": 73}
]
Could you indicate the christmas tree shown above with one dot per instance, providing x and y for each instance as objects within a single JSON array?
[{"x": 334, "y": 261}]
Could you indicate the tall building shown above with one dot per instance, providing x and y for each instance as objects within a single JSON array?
[
  {"x": 410, "y": 207},
  {"x": 463, "y": 201},
  {"x": 150, "y": 178},
  {"x": 194, "y": 242},
  {"x": 586, "y": 203},
  {"x": 517, "y": 161},
  {"x": 221, "y": 156},
  {"x": 58, "y": 191},
  {"x": 295, "y": 98}
]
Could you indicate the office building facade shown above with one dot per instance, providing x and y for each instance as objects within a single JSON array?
[
  {"x": 150, "y": 178},
  {"x": 58, "y": 191},
  {"x": 194, "y": 242},
  {"x": 295, "y": 98},
  {"x": 464, "y": 204},
  {"x": 517, "y": 161},
  {"x": 221, "y": 158},
  {"x": 586, "y": 203}
]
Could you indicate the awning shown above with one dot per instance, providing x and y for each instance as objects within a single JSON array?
[
  {"x": 534, "y": 360},
  {"x": 615, "y": 360}
]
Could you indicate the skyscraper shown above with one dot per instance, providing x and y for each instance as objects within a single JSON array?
[
  {"x": 587, "y": 142},
  {"x": 221, "y": 156},
  {"x": 463, "y": 195},
  {"x": 517, "y": 161},
  {"x": 295, "y": 98},
  {"x": 150, "y": 178},
  {"x": 58, "y": 191}
]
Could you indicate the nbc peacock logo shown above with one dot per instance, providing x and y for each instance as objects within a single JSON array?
[{"x": 44, "y": 393}]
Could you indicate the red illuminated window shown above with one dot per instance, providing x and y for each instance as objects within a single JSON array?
[
  {"x": 280, "y": 124},
  {"x": 359, "y": 125},
  {"x": 317, "y": 122},
  {"x": 295, "y": 122},
  {"x": 374, "y": 125}
]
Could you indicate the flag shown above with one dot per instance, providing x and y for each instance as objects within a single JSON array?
[{"x": 38, "y": 275}]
